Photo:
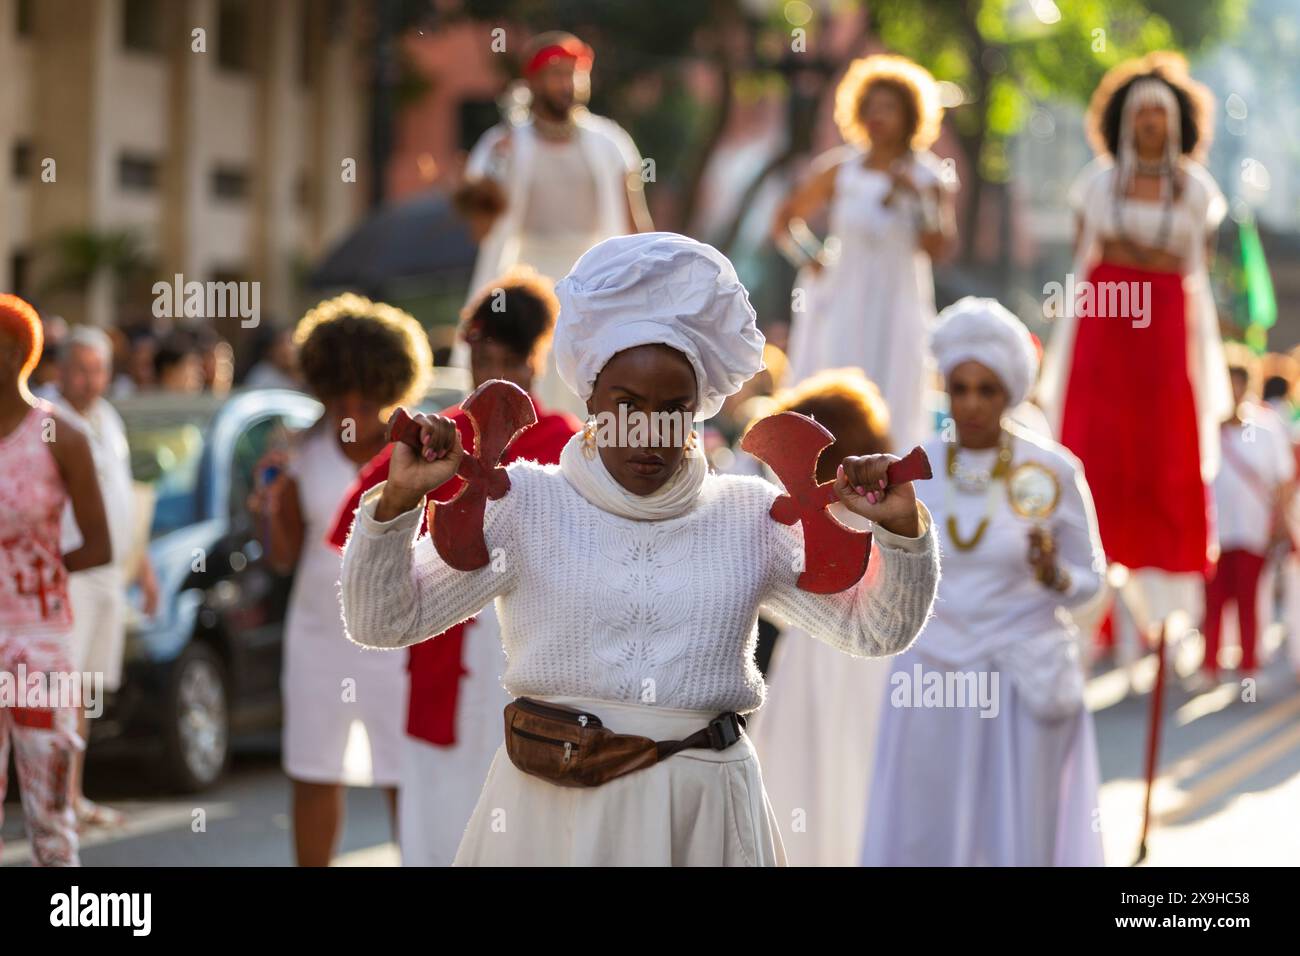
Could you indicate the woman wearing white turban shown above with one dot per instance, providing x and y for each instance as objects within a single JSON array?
[
  {"x": 986, "y": 755},
  {"x": 672, "y": 563}
]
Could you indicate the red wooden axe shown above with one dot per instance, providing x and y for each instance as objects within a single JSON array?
[
  {"x": 499, "y": 411},
  {"x": 835, "y": 556}
]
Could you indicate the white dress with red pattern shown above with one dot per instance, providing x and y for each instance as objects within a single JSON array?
[
  {"x": 35, "y": 625},
  {"x": 33, "y": 583}
]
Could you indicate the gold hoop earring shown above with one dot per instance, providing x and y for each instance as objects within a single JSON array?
[
  {"x": 688, "y": 451},
  {"x": 589, "y": 438}
]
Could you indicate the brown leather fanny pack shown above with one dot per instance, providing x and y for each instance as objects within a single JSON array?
[{"x": 572, "y": 748}]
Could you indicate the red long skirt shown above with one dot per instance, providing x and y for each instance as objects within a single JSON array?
[{"x": 1130, "y": 416}]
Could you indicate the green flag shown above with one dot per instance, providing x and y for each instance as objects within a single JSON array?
[{"x": 1261, "y": 304}]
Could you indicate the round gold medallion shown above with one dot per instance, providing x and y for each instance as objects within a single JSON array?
[{"x": 1033, "y": 490}]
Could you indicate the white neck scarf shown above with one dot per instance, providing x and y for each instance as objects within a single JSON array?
[{"x": 591, "y": 479}]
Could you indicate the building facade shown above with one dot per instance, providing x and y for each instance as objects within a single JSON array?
[{"x": 219, "y": 140}]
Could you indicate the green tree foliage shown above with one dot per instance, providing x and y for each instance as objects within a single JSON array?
[{"x": 1005, "y": 55}]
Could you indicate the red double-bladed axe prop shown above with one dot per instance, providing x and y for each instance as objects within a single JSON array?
[
  {"x": 835, "y": 557},
  {"x": 499, "y": 411}
]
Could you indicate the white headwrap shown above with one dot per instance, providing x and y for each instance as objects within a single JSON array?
[
  {"x": 657, "y": 288},
  {"x": 983, "y": 330},
  {"x": 1148, "y": 91}
]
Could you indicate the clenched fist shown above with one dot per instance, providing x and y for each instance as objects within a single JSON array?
[
  {"x": 861, "y": 484},
  {"x": 411, "y": 474}
]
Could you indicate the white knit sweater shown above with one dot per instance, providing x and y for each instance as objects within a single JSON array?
[{"x": 652, "y": 612}]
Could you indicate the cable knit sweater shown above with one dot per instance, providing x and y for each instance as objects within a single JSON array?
[{"x": 653, "y": 612}]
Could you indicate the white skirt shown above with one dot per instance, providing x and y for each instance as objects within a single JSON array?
[
  {"x": 441, "y": 784},
  {"x": 953, "y": 788},
  {"x": 816, "y": 736},
  {"x": 696, "y": 808}
]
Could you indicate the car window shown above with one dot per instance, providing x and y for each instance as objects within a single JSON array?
[
  {"x": 253, "y": 442},
  {"x": 166, "y": 452}
]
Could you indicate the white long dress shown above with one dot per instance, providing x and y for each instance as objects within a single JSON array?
[
  {"x": 816, "y": 741},
  {"x": 441, "y": 784},
  {"x": 344, "y": 705},
  {"x": 1008, "y": 775},
  {"x": 872, "y": 307}
]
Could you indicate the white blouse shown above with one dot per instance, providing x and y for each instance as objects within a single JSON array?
[
  {"x": 990, "y": 607},
  {"x": 1179, "y": 227}
]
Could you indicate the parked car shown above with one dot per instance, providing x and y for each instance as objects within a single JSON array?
[{"x": 206, "y": 667}]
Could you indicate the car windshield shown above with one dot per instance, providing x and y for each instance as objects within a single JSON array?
[{"x": 167, "y": 435}]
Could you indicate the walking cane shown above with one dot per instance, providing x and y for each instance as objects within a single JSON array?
[{"x": 1153, "y": 740}]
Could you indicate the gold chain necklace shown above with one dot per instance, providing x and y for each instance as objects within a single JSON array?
[{"x": 999, "y": 472}]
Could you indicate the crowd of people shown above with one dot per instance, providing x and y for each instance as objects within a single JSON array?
[{"x": 673, "y": 694}]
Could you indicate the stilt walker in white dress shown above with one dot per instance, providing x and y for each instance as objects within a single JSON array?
[
  {"x": 343, "y": 707},
  {"x": 816, "y": 733},
  {"x": 545, "y": 190},
  {"x": 630, "y": 580},
  {"x": 870, "y": 303},
  {"x": 986, "y": 754}
]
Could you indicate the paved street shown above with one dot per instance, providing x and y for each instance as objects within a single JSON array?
[
  {"x": 247, "y": 820},
  {"x": 1229, "y": 777},
  {"x": 1227, "y": 793}
]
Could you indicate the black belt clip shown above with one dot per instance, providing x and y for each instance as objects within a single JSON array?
[{"x": 724, "y": 730}]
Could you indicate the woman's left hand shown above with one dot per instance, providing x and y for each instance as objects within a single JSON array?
[
  {"x": 1042, "y": 557},
  {"x": 861, "y": 484}
]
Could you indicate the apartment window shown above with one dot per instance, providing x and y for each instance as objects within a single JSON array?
[
  {"x": 137, "y": 173},
  {"x": 306, "y": 49},
  {"x": 229, "y": 183},
  {"x": 19, "y": 272},
  {"x": 22, "y": 161},
  {"x": 142, "y": 26},
  {"x": 337, "y": 18},
  {"x": 23, "y": 17},
  {"x": 233, "y": 35}
]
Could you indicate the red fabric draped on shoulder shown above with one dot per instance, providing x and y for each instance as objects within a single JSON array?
[{"x": 436, "y": 666}]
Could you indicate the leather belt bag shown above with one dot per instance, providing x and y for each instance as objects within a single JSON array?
[{"x": 572, "y": 748}]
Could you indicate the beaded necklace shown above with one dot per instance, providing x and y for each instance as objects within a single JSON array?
[{"x": 974, "y": 481}]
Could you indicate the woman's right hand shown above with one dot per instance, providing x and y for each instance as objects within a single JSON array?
[{"x": 412, "y": 475}]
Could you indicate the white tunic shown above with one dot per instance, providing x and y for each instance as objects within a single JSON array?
[
  {"x": 872, "y": 308},
  {"x": 539, "y": 178},
  {"x": 1257, "y": 461},
  {"x": 98, "y": 595},
  {"x": 344, "y": 706},
  {"x": 1010, "y": 778}
]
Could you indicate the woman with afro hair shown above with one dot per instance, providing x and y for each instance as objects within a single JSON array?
[
  {"x": 816, "y": 735},
  {"x": 343, "y": 707},
  {"x": 1134, "y": 377},
  {"x": 869, "y": 291},
  {"x": 453, "y": 712}
]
